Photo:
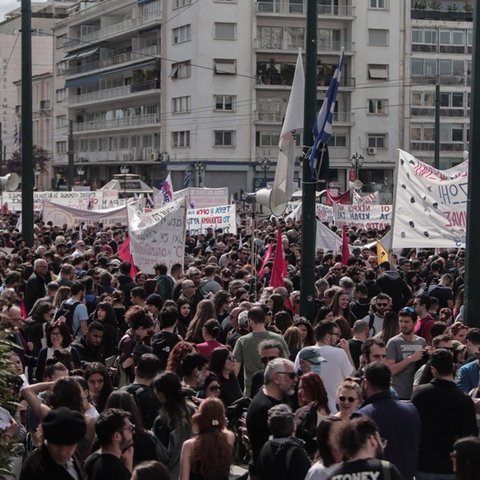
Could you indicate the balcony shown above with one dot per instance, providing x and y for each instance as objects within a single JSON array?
[
  {"x": 430, "y": 146},
  {"x": 114, "y": 30},
  {"x": 110, "y": 93},
  {"x": 446, "y": 16},
  {"x": 331, "y": 46},
  {"x": 118, "y": 123},
  {"x": 344, "y": 11},
  {"x": 125, "y": 155},
  {"x": 458, "y": 80},
  {"x": 430, "y": 112},
  {"x": 277, "y": 117},
  {"x": 298, "y": 7},
  {"x": 140, "y": 54}
]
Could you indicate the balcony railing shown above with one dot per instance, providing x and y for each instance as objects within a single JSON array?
[
  {"x": 442, "y": 79},
  {"x": 113, "y": 30},
  {"x": 336, "y": 11},
  {"x": 140, "y": 54},
  {"x": 335, "y": 46},
  {"x": 109, "y": 93},
  {"x": 277, "y": 117},
  {"x": 298, "y": 7},
  {"x": 134, "y": 120},
  {"x": 430, "y": 146},
  {"x": 449, "y": 16},
  {"x": 281, "y": 79}
]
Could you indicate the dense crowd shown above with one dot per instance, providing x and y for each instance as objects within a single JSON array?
[{"x": 182, "y": 374}]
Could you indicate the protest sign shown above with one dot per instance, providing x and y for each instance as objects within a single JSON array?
[
  {"x": 203, "y": 197},
  {"x": 224, "y": 217},
  {"x": 368, "y": 198},
  {"x": 157, "y": 236},
  {"x": 326, "y": 239},
  {"x": 62, "y": 214},
  {"x": 324, "y": 213},
  {"x": 430, "y": 205},
  {"x": 365, "y": 216}
]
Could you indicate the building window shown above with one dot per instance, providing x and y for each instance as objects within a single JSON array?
[
  {"x": 377, "y": 37},
  {"x": 452, "y": 37},
  {"x": 451, "y": 99},
  {"x": 426, "y": 36},
  {"x": 225, "y": 31},
  {"x": 270, "y": 37},
  {"x": 328, "y": 39},
  {"x": 224, "y": 138},
  {"x": 60, "y": 121},
  {"x": 181, "y": 3},
  {"x": 60, "y": 94},
  {"x": 451, "y": 132},
  {"x": 454, "y": 68},
  {"x": 224, "y": 103},
  {"x": 60, "y": 40},
  {"x": 377, "y": 4},
  {"x": 270, "y": 110},
  {"x": 423, "y": 99},
  {"x": 225, "y": 66},
  {"x": 338, "y": 140},
  {"x": 181, "y": 34},
  {"x": 267, "y": 139},
  {"x": 378, "y": 106},
  {"x": 424, "y": 66},
  {"x": 181, "y": 70},
  {"x": 61, "y": 147},
  {"x": 377, "y": 140},
  {"x": 181, "y": 139},
  {"x": 377, "y": 72},
  {"x": 422, "y": 132},
  {"x": 62, "y": 67},
  {"x": 181, "y": 104}
]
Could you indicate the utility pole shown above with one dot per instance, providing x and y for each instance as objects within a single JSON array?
[
  {"x": 3, "y": 160},
  {"x": 472, "y": 299},
  {"x": 436, "y": 163},
  {"x": 70, "y": 172},
  {"x": 309, "y": 224},
  {"x": 27, "y": 141}
]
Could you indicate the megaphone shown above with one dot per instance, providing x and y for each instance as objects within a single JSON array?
[
  {"x": 356, "y": 185},
  {"x": 9, "y": 182},
  {"x": 263, "y": 197}
]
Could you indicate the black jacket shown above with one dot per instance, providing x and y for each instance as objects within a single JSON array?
[{"x": 391, "y": 283}]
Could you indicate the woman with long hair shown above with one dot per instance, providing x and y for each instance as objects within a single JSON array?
[
  {"x": 342, "y": 315},
  {"x": 105, "y": 314},
  {"x": 466, "y": 458},
  {"x": 144, "y": 441},
  {"x": 313, "y": 401},
  {"x": 209, "y": 455},
  {"x": 210, "y": 332},
  {"x": 177, "y": 354},
  {"x": 184, "y": 316},
  {"x": 293, "y": 339},
  {"x": 221, "y": 301},
  {"x": 117, "y": 298},
  {"x": 172, "y": 426},
  {"x": 35, "y": 326},
  {"x": 150, "y": 470},
  {"x": 390, "y": 327},
  {"x": 306, "y": 331},
  {"x": 205, "y": 311},
  {"x": 324, "y": 313},
  {"x": 276, "y": 303},
  {"x": 222, "y": 363},
  {"x": 99, "y": 384},
  {"x": 60, "y": 296}
]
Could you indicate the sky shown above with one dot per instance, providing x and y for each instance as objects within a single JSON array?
[{"x": 9, "y": 5}]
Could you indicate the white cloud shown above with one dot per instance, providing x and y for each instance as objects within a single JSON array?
[{"x": 9, "y": 5}]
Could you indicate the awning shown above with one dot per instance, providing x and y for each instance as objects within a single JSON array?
[
  {"x": 84, "y": 54},
  {"x": 225, "y": 67},
  {"x": 128, "y": 67},
  {"x": 85, "y": 81},
  {"x": 378, "y": 73}
]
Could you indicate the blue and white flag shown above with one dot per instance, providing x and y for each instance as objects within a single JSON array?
[
  {"x": 187, "y": 178},
  {"x": 322, "y": 128},
  {"x": 16, "y": 136}
]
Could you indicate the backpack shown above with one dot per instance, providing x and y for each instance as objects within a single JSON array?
[
  {"x": 67, "y": 310},
  {"x": 370, "y": 324}
]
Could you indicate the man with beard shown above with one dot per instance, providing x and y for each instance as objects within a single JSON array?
[
  {"x": 280, "y": 381},
  {"x": 379, "y": 306},
  {"x": 362, "y": 448},
  {"x": 404, "y": 351},
  {"x": 114, "y": 459}
]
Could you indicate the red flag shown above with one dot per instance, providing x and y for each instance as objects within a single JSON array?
[
  {"x": 342, "y": 199},
  {"x": 345, "y": 249},
  {"x": 266, "y": 259},
  {"x": 279, "y": 269},
  {"x": 126, "y": 256}
]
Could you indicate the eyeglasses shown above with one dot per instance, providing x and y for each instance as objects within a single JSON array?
[
  {"x": 342, "y": 398},
  {"x": 130, "y": 427},
  {"x": 292, "y": 375},
  {"x": 265, "y": 360},
  {"x": 337, "y": 334},
  {"x": 382, "y": 304},
  {"x": 214, "y": 388}
]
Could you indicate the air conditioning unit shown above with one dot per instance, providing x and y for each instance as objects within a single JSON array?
[
  {"x": 371, "y": 150},
  {"x": 163, "y": 157},
  {"x": 153, "y": 156}
]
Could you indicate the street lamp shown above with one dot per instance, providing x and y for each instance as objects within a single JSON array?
[
  {"x": 80, "y": 173},
  {"x": 124, "y": 171},
  {"x": 199, "y": 167},
  {"x": 265, "y": 164},
  {"x": 357, "y": 163}
]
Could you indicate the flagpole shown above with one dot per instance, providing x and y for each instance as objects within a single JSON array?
[{"x": 307, "y": 272}]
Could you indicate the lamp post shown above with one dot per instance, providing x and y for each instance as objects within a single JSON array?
[
  {"x": 80, "y": 173},
  {"x": 357, "y": 161},
  {"x": 124, "y": 171},
  {"x": 200, "y": 168},
  {"x": 265, "y": 164}
]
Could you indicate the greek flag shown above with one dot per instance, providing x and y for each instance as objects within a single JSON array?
[
  {"x": 187, "y": 178},
  {"x": 322, "y": 128},
  {"x": 16, "y": 136}
]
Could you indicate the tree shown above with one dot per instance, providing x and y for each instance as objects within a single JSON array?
[
  {"x": 41, "y": 157},
  {"x": 8, "y": 448}
]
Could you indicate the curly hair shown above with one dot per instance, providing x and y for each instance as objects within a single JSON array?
[
  {"x": 212, "y": 455},
  {"x": 315, "y": 389},
  {"x": 66, "y": 393},
  {"x": 65, "y": 332},
  {"x": 205, "y": 311},
  {"x": 177, "y": 354},
  {"x": 97, "y": 367}
]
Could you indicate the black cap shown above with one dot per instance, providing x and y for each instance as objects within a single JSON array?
[{"x": 63, "y": 426}]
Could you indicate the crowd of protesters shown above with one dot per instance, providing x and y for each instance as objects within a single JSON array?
[{"x": 181, "y": 374}]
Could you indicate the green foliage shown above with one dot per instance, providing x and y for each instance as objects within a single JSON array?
[
  {"x": 8, "y": 447},
  {"x": 41, "y": 157}
]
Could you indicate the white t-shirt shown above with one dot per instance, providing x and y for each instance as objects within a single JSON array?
[{"x": 318, "y": 471}]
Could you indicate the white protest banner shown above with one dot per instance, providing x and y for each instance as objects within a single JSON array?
[
  {"x": 157, "y": 236},
  {"x": 223, "y": 216},
  {"x": 95, "y": 200},
  {"x": 324, "y": 213},
  {"x": 378, "y": 217},
  {"x": 203, "y": 197},
  {"x": 326, "y": 239},
  {"x": 62, "y": 214},
  {"x": 358, "y": 199},
  {"x": 430, "y": 205}
]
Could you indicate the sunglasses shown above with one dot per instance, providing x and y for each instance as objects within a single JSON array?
[
  {"x": 291, "y": 375},
  {"x": 382, "y": 304},
  {"x": 265, "y": 360},
  {"x": 344, "y": 399},
  {"x": 214, "y": 388}
]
